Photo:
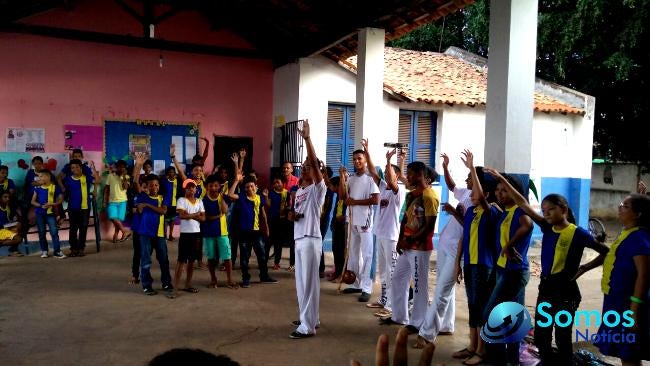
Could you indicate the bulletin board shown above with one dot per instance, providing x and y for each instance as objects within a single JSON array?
[{"x": 153, "y": 137}]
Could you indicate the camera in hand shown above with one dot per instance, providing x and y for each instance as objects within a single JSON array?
[{"x": 396, "y": 145}]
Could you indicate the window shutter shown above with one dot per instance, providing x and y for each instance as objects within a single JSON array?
[
  {"x": 335, "y": 116},
  {"x": 424, "y": 138},
  {"x": 352, "y": 117}
]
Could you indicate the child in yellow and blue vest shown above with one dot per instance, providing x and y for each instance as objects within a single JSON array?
[
  {"x": 625, "y": 282},
  {"x": 170, "y": 189},
  {"x": 277, "y": 204},
  {"x": 45, "y": 197},
  {"x": 9, "y": 235},
  {"x": 80, "y": 185},
  {"x": 562, "y": 245}
]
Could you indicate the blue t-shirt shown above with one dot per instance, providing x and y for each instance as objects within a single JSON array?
[
  {"x": 151, "y": 223},
  {"x": 507, "y": 226},
  {"x": 218, "y": 227},
  {"x": 478, "y": 236},
  {"x": 135, "y": 218},
  {"x": 170, "y": 191},
  {"x": 249, "y": 211},
  {"x": 29, "y": 188},
  {"x": 562, "y": 250},
  {"x": 619, "y": 270},
  {"x": 279, "y": 203},
  {"x": 45, "y": 195},
  {"x": 85, "y": 170},
  {"x": 79, "y": 190},
  {"x": 8, "y": 185}
]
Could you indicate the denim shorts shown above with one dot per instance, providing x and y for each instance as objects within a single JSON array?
[{"x": 477, "y": 285}]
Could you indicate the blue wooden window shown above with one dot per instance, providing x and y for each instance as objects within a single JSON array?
[
  {"x": 418, "y": 129},
  {"x": 340, "y": 136}
]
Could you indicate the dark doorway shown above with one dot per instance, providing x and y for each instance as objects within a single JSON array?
[{"x": 224, "y": 146}]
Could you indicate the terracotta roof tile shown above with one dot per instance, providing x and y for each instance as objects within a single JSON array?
[{"x": 439, "y": 78}]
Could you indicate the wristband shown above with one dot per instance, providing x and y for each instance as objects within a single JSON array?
[{"x": 636, "y": 300}]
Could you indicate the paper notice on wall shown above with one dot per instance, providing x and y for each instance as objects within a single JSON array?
[
  {"x": 190, "y": 148},
  {"x": 178, "y": 142},
  {"x": 25, "y": 139},
  {"x": 159, "y": 166}
]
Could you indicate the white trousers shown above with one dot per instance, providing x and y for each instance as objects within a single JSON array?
[
  {"x": 411, "y": 264},
  {"x": 386, "y": 260},
  {"x": 441, "y": 313},
  {"x": 308, "y": 252},
  {"x": 360, "y": 257}
]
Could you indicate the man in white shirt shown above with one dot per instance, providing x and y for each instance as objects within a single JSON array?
[
  {"x": 386, "y": 229},
  {"x": 440, "y": 316},
  {"x": 361, "y": 194},
  {"x": 309, "y": 244}
]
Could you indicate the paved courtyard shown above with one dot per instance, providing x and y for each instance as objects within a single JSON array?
[{"x": 82, "y": 311}]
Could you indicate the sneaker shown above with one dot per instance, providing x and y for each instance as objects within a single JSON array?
[
  {"x": 245, "y": 284},
  {"x": 44, "y": 254},
  {"x": 291, "y": 268},
  {"x": 351, "y": 290},
  {"x": 59, "y": 255},
  {"x": 364, "y": 297},
  {"x": 17, "y": 254},
  {"x": 268, "y": 280},
  {"x": 149, "y": 291},
  {"x": 168, "y": 288},
  {"x": 298, "y": 335}
]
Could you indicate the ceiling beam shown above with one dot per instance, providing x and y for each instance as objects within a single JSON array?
[{"x": 131, "y": 41}]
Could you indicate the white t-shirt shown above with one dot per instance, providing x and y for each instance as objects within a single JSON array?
[
  {"x": 360, "y": 188},
  {"x": 308, "y": 202},
  {"x": 190, "y": 225},
  {"x": 390, "y": 204},
  {"x": 453, "y": 231}
]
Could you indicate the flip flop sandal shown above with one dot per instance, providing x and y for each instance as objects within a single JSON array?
[
  {"x": 126, "y": 237},
  {"x": 191, "y": 290},
  {"x": 463, "y": 353},
  {"x": 170, "y": 295},
  {"x": 375, "y": 305},
  {"x": 232, "y": 286},
  {"x": 480, "y": 362},
  {"x": 383, "y": 313}
]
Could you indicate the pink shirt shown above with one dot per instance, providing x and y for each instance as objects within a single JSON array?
[{"x": 291, "y": 181}]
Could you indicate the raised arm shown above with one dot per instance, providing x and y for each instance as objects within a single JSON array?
[
  {"x": 519, "y": 199},
  {"x": 391, "y": 179},
  {"x": 343, "y": 183},
  {"x": 311, "y": 153},
  {"x": 231, "y": 192},
  {"x": 206, "y": 149},
  {"x": 371, "y": 167},
  {"x": 172, "y": 155},
  {"x": 401, "y": 161},
  {"x": 138, "y": 162},
  {"x": 477, "y": 190},
  {"x": 445, "y": 167},
  {"x": 267, "y": 201}
]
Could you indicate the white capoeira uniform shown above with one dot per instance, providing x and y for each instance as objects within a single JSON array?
[
  {"x": 413, "y": 263},
  {"x": 441, "y": 313},
  {"x": 361, "y": 244},
  {"x": 386, "y": 230},
  {"x": 309, "y": 246}
]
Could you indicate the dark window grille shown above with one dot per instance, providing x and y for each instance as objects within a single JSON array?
[{"x": 291, "y": 144}]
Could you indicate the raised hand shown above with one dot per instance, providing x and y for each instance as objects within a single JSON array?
[
  {"x": 265, "y": 192},
  {"x": 239, "y": 176},
  {"x": 242, "y": 153},
  {"x": 445, "y": 160},
  {"x": 235, "y": 158},
  {"x": 494, "y": 173},
  {"x": 641, "y": 188},
  {"x": 364, "y": 145},
  {"x": 401, "y": 155},
  {"x": 172, "y": 150},
  {"x": 304, "y": 131},
  {"x": 390, "y": 153},
  {"x": 468, "y": 159},
  {"x": 139, "y": 158}
]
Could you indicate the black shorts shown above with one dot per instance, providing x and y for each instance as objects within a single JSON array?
[
  {"x": 171, "y": 213},
  {"x": 189, "y": 247}
]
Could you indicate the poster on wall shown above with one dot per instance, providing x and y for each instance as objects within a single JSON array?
[
  {"x": 140, "y": 143},
  {"x": 25, "y": 139},
  {"x": 86, "y": 138},
  {"x": 53, "y": 162}
]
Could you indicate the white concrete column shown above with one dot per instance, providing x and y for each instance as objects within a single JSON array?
[
  {"x": 370, "y": 86},
  {"x": 511, "y": 84}
]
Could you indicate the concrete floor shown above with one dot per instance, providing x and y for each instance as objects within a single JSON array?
[{"x": 81, "y": 311}]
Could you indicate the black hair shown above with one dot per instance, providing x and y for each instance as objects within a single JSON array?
[
  {"x": 561, "y": 201},
  {"x": 169, "y": 169},
  {"x": 194, "y": 165},
  {"x": 197, "y": 158},
  {"x": 276, "y": 176},
  {"x": 248, "y": 179},
  {"x": 148, "y": 162},
  {"x": 49, "y": 173},
  {"x": 329, "y": 171},
  {"x": 432, "y": 174},
  {"x": 252, "y": 171},
  {"x": 77, "y": 151},
  {"x": 37, "y": 158},
  {"x": 358, "y": 151},
  {"x": 4, "y": 167},
  {"x": 187, "y": 356},
  {"x": 120, "y": 162},
  {"x": 212, "y": 178},
  {"x": 76, "y": 162},
  {"x": 417, "y": 167},
  {"x": 640, "y": 204},
  {"x": 152, "y": 177},
  {"x": 335, "y": 181}
]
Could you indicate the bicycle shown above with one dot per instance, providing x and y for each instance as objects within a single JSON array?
[{"x": 597, "y": 229}]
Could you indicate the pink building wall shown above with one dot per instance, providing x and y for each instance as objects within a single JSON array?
[{"x": 47, "y": 82}]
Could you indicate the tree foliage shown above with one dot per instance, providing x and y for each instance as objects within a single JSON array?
[{"x": 598, "y": 47}]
